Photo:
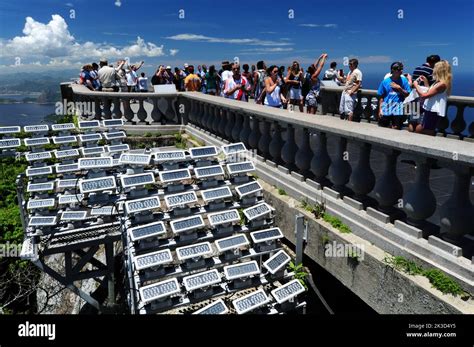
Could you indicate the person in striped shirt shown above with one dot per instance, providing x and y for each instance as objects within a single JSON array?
[{"x": 426, "y": 69}]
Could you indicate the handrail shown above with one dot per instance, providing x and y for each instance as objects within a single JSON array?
[{"x": 441, "y": 148}]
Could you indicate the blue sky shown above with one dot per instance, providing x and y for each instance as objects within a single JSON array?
[{"x": 211, "y": 31}]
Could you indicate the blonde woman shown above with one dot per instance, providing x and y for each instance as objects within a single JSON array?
[
  {"x": 435, "y": 99},
  {"x": 294, "y": 79}
]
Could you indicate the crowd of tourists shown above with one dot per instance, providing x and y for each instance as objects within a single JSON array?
[{"x": 292, "y": 87}]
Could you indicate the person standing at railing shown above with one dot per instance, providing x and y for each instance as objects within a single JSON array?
[
  {"x": 225, "y": 75},
  {"x": 143, "y": 83},
  {"x": 85, "y": 77},
  {"x": 425, "y": 70},
  {"x": 331, "y": 73},
  {"x": 392, "y": 91},
  {"x": 192, "y": 82},
  {"x": 237, "y": 86},
  {"x": 212, "y": 81},
  {"x": 435, "y": 99},
  {"x": 315, "y": 84},
  {"x": 294, "y": 80},
  {"x": 248, "y": 76},
  {"x": 352, "y": 83},
  {"x": 272, "y": 93},
  {"x": 179, "y": 77},
  {"x": 108, "y": 75},
  {"x": 95, "y": 76},
  {"x": 259, "y": 81}
]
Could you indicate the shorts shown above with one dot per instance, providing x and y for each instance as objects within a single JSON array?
[
  {"x": 296, "y": 94},
  {"x": 430, "y": 120},
  {"x": 386, "y": 121},
  {"x": 211, "y": 90},
  {"x": 347, "y": 103},
  {"x": 311, "y": 99}
]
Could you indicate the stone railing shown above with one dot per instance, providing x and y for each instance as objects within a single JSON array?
[
  {"x": 357, "y": 160},
  {"x": 459, "y": 127},
  {"x": 135, "y": 108},
  {"x": 300, "y": 143}
]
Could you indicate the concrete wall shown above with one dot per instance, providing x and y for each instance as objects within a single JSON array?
[{"x": 383, "y": 288}]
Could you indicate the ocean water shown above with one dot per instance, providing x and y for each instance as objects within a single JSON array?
[{"x": 24, "y": 114}]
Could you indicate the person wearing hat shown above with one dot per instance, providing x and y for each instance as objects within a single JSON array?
[
  {"x": 391, "y": 93},
  {"x": 108, "y": 76},
  {"x": 186, "y": 69}
]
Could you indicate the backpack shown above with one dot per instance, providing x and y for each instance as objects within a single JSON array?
[
  {"x": 306, "y": 85},
  {"x": 260, "y": 83}
]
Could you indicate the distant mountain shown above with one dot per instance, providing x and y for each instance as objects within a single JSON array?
[{"x": 45, "y": 83}]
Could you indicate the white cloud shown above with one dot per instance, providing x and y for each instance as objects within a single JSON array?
[
  {"x": 433, "y": 44},
  {"x": 266, "y": 50},
  {"x": 53, "y": 41},
  {"x": 173, "y": 52},
  {"x": 375, "y": 59},
  {"x": 369, "y": 59},
  {"x": 248, "y": 41},
  {"x": 310, "y": 25}
]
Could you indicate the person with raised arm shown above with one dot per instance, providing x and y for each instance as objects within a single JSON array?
[{"x": 315, "y": 84}]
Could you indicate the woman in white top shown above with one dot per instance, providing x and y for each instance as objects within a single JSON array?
[
  {"x": 272, "y": 91},
  {"x": 294, "y": 79},
  {"x": 435, "y": 99}
]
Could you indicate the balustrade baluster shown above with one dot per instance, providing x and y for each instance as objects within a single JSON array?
[
  {"x": 128, "y": 113},
  {"x": 340, "y": 169},
  {"x": 156, "y": 114},
  {"x": 363, "y": 179},
  {"x": 459, "y": 124},
  {"x": 265, "y": 139},
  {"x": 107, "y": 108},
  {"x": 303, "y": 154},
  {"x": 254, "y": 133},
  {"x": 117, "y": 112},
  {"x": 141, "y": 114},
  {"x": 276, "y": 144},
  {"x": 388, "y": 189},
  {"x": 222, "y": 122},
  {"x": 216, "y": 120},
  {"x": 457, "y": 213},
  {"x": 230, "y": 124},
  {"x": 239, "y": 121},
  {"x": 321, "y": 160},
  {"x": 419, "y": 202},
  {"x": 289, "y": 148},
  {"x": 97, "y": 109},
  {"x": 245, "y": 132}
]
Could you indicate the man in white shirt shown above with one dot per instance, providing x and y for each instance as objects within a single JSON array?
[
  {"x": 352, "y": 83},
  {"x": 143, "y": 83},
  {"x": 331, "y": 74},
  {"x": 237, "y": 87},
  {"x": 225, "y": 75}
]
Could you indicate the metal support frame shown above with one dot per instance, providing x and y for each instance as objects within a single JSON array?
[
  {"x": 300, "y": 236},
  {"x": 73, "y": 271}
]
